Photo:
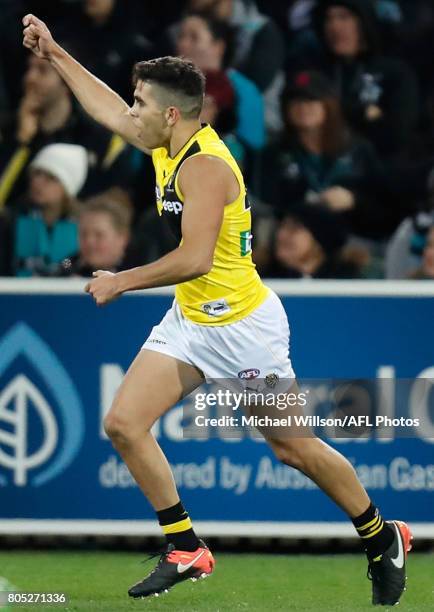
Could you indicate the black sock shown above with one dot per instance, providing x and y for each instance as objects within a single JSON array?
[
  {"x": 376, "y": 534},
  {"x": 177, "y": 527}
]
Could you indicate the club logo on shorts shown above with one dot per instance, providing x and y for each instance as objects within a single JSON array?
[
  {"x": 249, "y": 374},
  {"x": 271, "y": 380}
]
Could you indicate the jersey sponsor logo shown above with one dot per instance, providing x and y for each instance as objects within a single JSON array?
[
  {"x": 175, "y": 207},
  {"x": 249, "y": 374},
  {"x": 217, "y": 308}
]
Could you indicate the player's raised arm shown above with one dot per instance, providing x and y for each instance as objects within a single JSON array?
[
  {"x": 207, "y": 184},
  {"x": 97, "y": 99}
]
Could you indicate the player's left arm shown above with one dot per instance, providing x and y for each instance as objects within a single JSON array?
[{"x": 205, "y": 184}]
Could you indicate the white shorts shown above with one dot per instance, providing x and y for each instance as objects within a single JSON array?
[{"x": 256, "y": 346}]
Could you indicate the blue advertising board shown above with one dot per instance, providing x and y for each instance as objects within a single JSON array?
[{"x": 62, "y": 359}]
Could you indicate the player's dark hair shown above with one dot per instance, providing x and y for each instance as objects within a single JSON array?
[{"x": 182, "y": 81}]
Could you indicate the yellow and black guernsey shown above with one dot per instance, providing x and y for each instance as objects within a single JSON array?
[{"x": 232, "y": 289}]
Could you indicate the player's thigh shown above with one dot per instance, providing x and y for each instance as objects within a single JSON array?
[{"x": 153, "y": 383}]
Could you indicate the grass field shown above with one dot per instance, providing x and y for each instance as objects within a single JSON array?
[{"x": 99, "y": 581}]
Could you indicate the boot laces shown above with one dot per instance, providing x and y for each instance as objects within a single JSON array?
[{"x": 163, "y": 554}]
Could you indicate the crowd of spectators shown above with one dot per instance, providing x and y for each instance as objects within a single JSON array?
[{"x": 327, "y": 105}]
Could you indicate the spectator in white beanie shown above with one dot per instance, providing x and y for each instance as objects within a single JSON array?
[
  {"x": 68, "y": 163},
  {"x": 44, "y": 227}
]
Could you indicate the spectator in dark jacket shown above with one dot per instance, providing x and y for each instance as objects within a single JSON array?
[
  {"x": 320, "y": 162},
  {"x": 106, "y": 36},
  {"x": 379, "y": 94},
  {"x": 416, "y": 32},
  {"x": 46, "y": 115}
]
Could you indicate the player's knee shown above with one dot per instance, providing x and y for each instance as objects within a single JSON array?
[
  {"x": 117, "y": 428},
  {"x": 290, "y": 454}
]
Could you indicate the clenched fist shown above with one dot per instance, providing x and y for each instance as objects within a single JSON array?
[
  {"x": 104, "y": 288},
  {"x": 37, "y": 37}
]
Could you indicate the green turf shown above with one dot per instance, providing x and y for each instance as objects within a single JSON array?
[{"x": 99, "y": 581}]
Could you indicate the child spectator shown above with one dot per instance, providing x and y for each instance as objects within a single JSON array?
[
  {"x": 104, "y": 232},
  {"x": 44, "y": 229}
]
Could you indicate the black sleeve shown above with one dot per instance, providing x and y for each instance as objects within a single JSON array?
[
  {"x": 376, "y": 212},
  {"x": 279, "y": 188},
  {"x": 111, "y": 161},
  {"x": 266, "y": 56},
  {"x": 400, "y": 106}
]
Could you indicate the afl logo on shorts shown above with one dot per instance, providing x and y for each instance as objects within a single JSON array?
[{"x": 249, "y": 374}]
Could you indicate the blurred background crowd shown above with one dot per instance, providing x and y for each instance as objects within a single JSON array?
[{"x": 327, "y": 105}]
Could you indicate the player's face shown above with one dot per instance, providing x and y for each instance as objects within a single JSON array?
[
  {"x": 306, "y": 114},
  {"x": 102, "y": 245},
  {"x": 342, "y": 31},
  {"x": 149, "y": 117},
  {"x": 428, "y": 255}
]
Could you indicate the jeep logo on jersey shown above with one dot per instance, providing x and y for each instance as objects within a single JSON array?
[
  {"x": 175, "y": 207},
  {"x": 249, "y": 374}
]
